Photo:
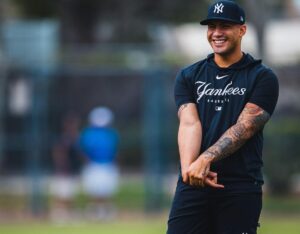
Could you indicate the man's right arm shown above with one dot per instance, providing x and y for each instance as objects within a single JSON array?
[{"x": 189, "y": 137}]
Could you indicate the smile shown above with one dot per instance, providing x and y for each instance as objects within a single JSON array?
[{"x": 219, "y": 41}]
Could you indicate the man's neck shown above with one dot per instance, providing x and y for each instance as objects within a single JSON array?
[{"x": 226, "y": 61}]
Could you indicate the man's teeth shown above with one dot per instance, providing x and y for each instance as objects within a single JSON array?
[{"x": 219, "y": 41}]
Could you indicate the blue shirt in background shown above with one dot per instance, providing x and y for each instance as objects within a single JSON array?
[{"x": 99, "y": 144}]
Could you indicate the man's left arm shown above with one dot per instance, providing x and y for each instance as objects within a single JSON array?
[{"x": 251, "y": 120}]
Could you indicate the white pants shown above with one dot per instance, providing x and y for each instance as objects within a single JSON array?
[
  {"x": 64, "y": 187},
  {"x": 100, "y": 180}
]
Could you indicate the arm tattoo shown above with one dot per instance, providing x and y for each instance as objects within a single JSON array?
[
  {"x": 183, "y": 106},
  {"x": 251, "y": 120}
]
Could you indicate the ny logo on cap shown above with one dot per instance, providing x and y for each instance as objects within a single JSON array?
[{"x": 219, "y": 8}]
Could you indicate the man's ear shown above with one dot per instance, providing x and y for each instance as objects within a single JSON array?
[{"x": 243, "y": 29}]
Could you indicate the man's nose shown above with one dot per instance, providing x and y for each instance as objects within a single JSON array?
[{"x": 218, "y": 31}]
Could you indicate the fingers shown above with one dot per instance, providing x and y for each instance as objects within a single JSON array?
[
  {"x": 212, "y": 174},
  {"x": 185, "y": 178},
  {"x": 195, "y": 182},
  {"x": 209, "y": 179},
  {"x": 202, "y": 179},
  {"x": 196, "y": 179},
  {"x": 210, "y": 182}
]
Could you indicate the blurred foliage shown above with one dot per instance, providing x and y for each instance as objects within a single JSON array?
[
  {"x": 282, "y": 205},
  {"x": 282, "y": 151},
  {"x": 36, "y": 9},
  {"x": 160, "y": 10},
  {"x": 130, "y": 19}
]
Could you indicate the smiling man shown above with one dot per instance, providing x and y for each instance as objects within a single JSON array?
[{"x": 223, "y": 103}]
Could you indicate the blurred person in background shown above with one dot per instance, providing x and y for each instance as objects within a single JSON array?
[
  {"x": 100, "y": 175},
  {"x": 223, "y": 103},
  {"x": 67, "y": 161}
]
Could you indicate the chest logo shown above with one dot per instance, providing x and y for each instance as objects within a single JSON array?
[
  {"x": 218, "y": 108},
  {"x": 218, "y": 95},
  {"x": 221, "y": 77}
]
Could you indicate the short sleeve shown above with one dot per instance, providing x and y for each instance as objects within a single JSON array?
[
  {"x": 265, "y": 93},
  {"x": 183, "y": 91}
]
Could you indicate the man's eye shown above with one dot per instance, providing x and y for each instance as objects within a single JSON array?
[{"x": 226, "y": 26}]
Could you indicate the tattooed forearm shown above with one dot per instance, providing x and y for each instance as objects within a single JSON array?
[
  {"x": 251, "y": 120},
  {"x": 229, "y": 143}
]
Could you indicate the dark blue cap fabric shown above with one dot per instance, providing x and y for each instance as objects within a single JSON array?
[{"x": 226, "y": 11}]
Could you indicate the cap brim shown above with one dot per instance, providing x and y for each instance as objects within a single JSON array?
[{"x": 207, "y": 21}]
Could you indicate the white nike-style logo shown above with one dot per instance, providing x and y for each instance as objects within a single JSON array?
[{"x": 221, "y": 77}]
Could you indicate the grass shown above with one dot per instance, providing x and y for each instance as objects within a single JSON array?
[
  {"x": 131, "y": 195},
  {"x": 282, "y": 205},
  {"x": 281, "y": 215},
  {"x": 279, "y": 225},
  {"x": 146, "y": 225}
]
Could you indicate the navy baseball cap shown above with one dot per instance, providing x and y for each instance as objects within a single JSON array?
[{"x": 225, "y": 10}]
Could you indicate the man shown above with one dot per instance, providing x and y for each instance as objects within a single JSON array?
[
  {"x": 223, "y": 103},
  {"x": 67, "y": 162},
  {"x": 100, "y": 175}
]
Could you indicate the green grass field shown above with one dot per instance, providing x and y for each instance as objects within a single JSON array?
[
  {"x": 280, "y": 225},
  {"x": 269, "y": 225},
  {"x": 281, "y": 215},
  {"x": 131, "y": 227}
]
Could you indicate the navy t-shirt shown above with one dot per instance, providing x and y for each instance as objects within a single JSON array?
[{"x": 220, "y": 95}]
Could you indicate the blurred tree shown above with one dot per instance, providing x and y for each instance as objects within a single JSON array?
[
  {"x": 282, "y": 153},
  {"x": 259, "y": 12},
  {"x": 79, "y": 19},
  {"x": 129, "y": 18},
  {"x": 36, "y": 9},
  {"x": 139, "y": 15}
]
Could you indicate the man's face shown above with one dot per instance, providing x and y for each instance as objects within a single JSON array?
[{"x": 225, "y": 37}]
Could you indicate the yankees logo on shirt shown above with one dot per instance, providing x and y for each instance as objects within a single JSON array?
[{"x": 207, "y": 89}]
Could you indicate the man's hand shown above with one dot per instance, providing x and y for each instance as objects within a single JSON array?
[
  {"x": 199, "y": 174},
  {"x": 184, "y": 174},
  {"x": 198, "y": 170},
  {"x": 212, "y": 180}
]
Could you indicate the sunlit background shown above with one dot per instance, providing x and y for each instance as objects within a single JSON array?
[{"x": 61, "y": 58}]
